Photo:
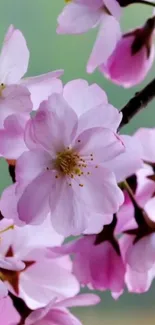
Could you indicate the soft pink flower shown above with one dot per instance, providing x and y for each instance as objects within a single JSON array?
[
  {"x": 97, "y": 265},
  {"x": 91, "y": 104},
  {"x": 8, "y": 263},
  {"x": 79, "y": 16},
  {"x": 138, "y": 276},
  {"x": 8, "y": 314},
  {"x": 64, "y": 170},
  {"x": 18, "y": 96},
  {"x": 41, "y": 279},
  {"x": 139, "y": 246},
  {"x": 57, "y": 313},
  {"x": 145, "y": 186},
  {"x": 136, "y": 49},
  {"x": 14, "y": 61}
]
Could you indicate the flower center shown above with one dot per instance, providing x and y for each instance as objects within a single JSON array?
[{"x": 67, "y": 161}]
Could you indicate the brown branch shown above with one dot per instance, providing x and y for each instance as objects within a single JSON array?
[
  {"x": 21, "y": 308},
  {"x": 137, "y": 103},
  {"x": 125, "y": 3}
]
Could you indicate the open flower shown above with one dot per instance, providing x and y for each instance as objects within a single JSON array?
[
  {"x": 14, "y": 59},
  {"x": 79, "y": 16},
  {"x": 63, "y": 172},
  {"x": 97, "y": 265},
  {"x": 19, "y": 96},
  {"x": 25, "y": 270}
]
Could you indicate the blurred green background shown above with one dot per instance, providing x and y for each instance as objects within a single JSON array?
[{"x": 37, "y": 20}]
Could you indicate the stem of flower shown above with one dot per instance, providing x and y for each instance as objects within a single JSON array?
[
  {"x": 21, "y": 307},
  {"x": 139, "y": 212},
  {"x": 137, "y": 103},
  {"x": 145, "y": 3}
]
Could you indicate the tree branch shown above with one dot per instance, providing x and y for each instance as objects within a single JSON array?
[
  {"x": 137, "y": 103},
  {"x": 21, "y": 307}
]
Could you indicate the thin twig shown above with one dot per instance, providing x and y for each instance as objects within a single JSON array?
[
  {"x": 125, "y": 3},
  {"x": 137, "y": 103}
]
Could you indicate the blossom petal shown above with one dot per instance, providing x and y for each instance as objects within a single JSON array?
[
  {"x": 107, "y": 38},
  {"x": 14, "y": 57},
  {"x": 3, "y": 290},
  {"x": 129, "y": 161},
  {"x": 30, "y": 164},
  {"x": 82, "y": 97},
  {"x": 12, "y": 143},
  {"x": 104, "y": 115},
  {"x": 101, "y": 143},
  {"x": 53, "y": 115},
  {"x": 146, "y": 137},
  {"x": 99, "y": 192},
  {"x": 9, "y": 315},
  {"x": 77, "y": 19},
  {"x": 11, "y": 263},
  {"x": 69, "y": 216},
  {"x": 15, "y": 99},
  {"x": 114, "y": 7},
  {"x": 41, "y": 87},
  {"x": 141, "y": 256},
  {"x": 33, "y": 205},
  {"x": 79, "y": 300},
  {"x": 9, "y": 211},
  {"x": 45, "y": 281}
]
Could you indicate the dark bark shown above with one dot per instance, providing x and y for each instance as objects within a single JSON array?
[{"x": 137, "y": 103}]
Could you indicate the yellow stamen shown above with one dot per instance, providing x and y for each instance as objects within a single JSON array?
[
  {"x": 2, "y": 87},
  {"x": 6, "y": 229},
  {"x": 66, "y": 162}
]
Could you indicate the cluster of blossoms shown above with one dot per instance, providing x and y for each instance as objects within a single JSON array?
[
  {"x": 135, "y": 47},
  {"x": 74, "y": 174}
]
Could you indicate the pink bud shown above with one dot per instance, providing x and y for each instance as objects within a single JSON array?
[{"x": 133, "y": 56}]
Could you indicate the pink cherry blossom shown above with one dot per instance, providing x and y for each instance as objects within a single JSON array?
[
  {"x": 138, "y": 247},
  {"x": 41, "y": 279},
  {"x": 137, "y": 50},
  {"x": 9, "y": 315},
  {"x": 14, "y": 61},
  {"x": 145, "y": 186},
  {"x": 57, "y": 312},
  {"x": 97, "y": 265},
  {"x": 67, "y": 169},
  {"x": 79, "y": 16},
  {"x": 137, "y": 281},
  {"x": 91, "y": 104},
  {"x": 8, "y": 263},
  {"x": 18, "y": 96}
]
